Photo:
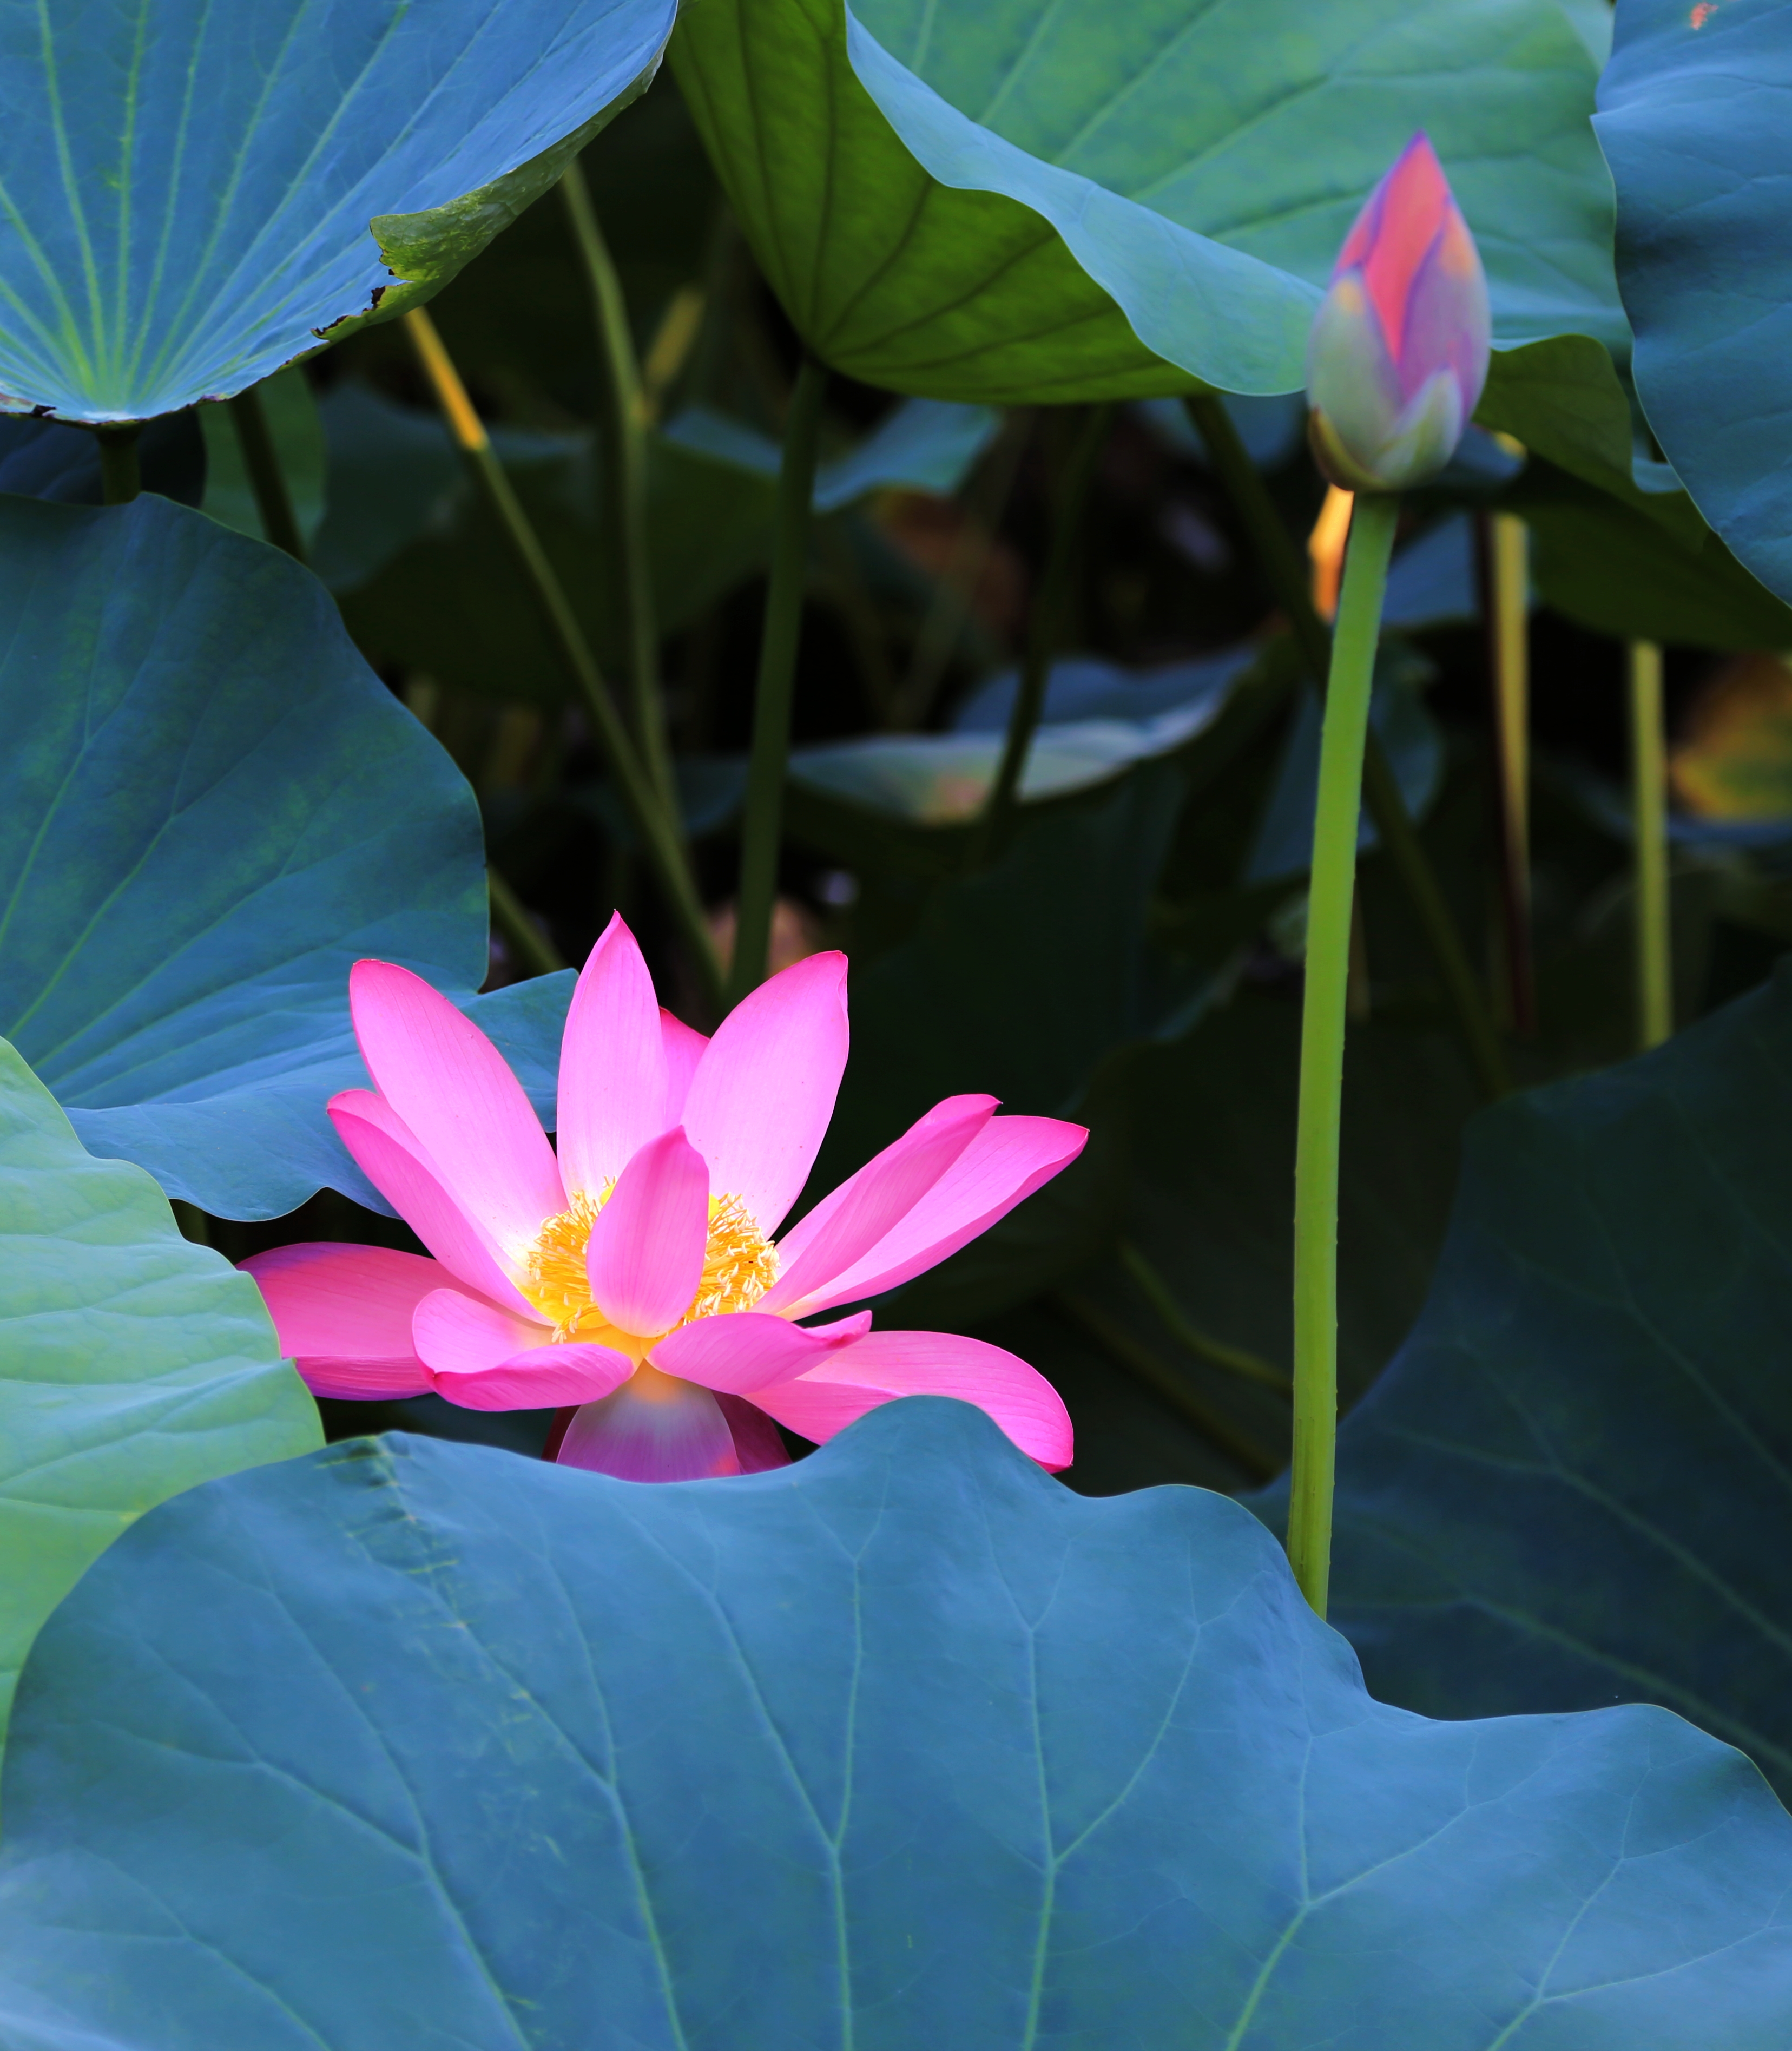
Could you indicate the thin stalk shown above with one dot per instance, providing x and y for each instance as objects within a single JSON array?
[
  {"x": 194, "y": 1226},
  {"x": 1506, "y": 556},
  {"x": 949, "y": 608},
  {"x": 1332, "y": 888},
  {"x": 762, "y": 820},
  {"x": 1216, "y": 1352},
  {"x": 1649, "y": 819},
  {"x": 1043, "y": 628},
  {"x": 279, "y": 524},
  {"x": 120, "y": 481},
  {"x": 660, "y": 833},
  {"x": 625, "y": 473},
  {"x": 1164, "y": 1382},
  {"x": 519, "y": 932},
  {"x": 1288, "y": 578}
]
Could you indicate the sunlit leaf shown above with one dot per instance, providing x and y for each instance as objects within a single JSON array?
[{"x": 1030, "y": 201}]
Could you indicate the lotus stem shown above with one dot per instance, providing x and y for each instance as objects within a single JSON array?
[
  {"x": 1332, "y": 891},
  {"x": 657, "y": 824},
  {"x": 762, "y": 822},
  {"x": 279, "y": 524},
  {"x": 1044, "y": 628},
  {"x": 1507, "y": 558},
  {"x": 1288, "y": 578},
  {"x": 949, "y": 610},
  {"x": 120, "y": 481},
  {"x": 1649, "y": 819},
  {"x": 625, "y": 476}
]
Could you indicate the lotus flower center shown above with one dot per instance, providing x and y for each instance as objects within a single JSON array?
[{"x": 739, "y": 1264}]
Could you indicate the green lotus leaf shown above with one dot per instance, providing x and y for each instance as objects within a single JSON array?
[
  {"x": 209, "y": 807},
  {"x": 1693, "y": 118},
  {"x": 1574, "y": 1483},
  {"x": 421, "y": 1744},
  {"x": 189, "y": 190},
  {"x": 1023, "y": 200},
  {"x": 132, "y": 1365}
]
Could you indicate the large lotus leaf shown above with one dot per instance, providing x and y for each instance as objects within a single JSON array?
[
  {"x": 209, "y": 807},
  {"x": 132, "y": 1365},
  {"x": 420, "y": 1744},
  {"x": 189, "y": 189},
  {"x": 1696, "y": 120},
  {"x": 1034, "y": 201},
  {"x": 1574, "y": 1484},
  {"x": 1609, "y": 565}
]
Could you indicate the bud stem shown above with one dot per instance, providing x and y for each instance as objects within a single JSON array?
[{"x": 1333, "y": 890}]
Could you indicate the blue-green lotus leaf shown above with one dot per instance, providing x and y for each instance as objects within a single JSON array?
[
  {"x": 417, "y": 1744},
  {"x": 188, "y": 188},
  {"x": 1028, "y": 201},
  {"x": 132, "y": 1365},
  {"x": 1574, "y": 1483},
  {"x": 209, "y": 808},
  {"x": 1695, "y": 114}
]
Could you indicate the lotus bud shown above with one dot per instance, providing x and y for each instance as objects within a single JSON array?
[{"x": 1398, "y": 354}]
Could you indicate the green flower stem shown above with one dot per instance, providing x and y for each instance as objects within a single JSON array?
[
  {"x": 762, "y": 822},
  {"x": 1044, "y": 628},
  {"x": 119, "y": 478},
  {"x": 1288, "y": 579},
  {"x": 519, "y": 932},
  {"x": 658, "y": 826},
  {"x": 1649, "y": 819},
  {"x": 273, "y": 502},
  {"x": 1507, "y": 576},
  {"x": 625, "y": 476},
  {"x": 1331, "y": 892}
]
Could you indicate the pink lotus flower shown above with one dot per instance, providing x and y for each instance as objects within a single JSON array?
[
  {"x": 1399, "y": 351},
  {"x": 635, "y": 1279}
]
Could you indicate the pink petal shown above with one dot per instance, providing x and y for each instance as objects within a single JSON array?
[
  {"x": 395, "y": 1164},
  {"x": 652, "y": 1429},
  {"x": 757, "y": 1445},
  {"x": 744, "y": 1351},
  {"x": 1003, "y": 1164},
  {"x": 684, "y": 1047},
  {"x": 580, "y": 1372},
  {"x": 764, "y": 1090},
  {"x": 454, "y": 1333},
  {"x": 484, "y": 1358},
  {"x": 645, "y": 1256},
  {"x": 883, "y": 1366},
  {"x": 455, "y": 1092},
  {"x": 612, "y": 1064},
  {"x": 343, "y": 1315},
  {"x": 845, "y": 1226}
]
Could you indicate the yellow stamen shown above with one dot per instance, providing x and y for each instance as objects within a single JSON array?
[{"x": 739, "y": 1266}]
